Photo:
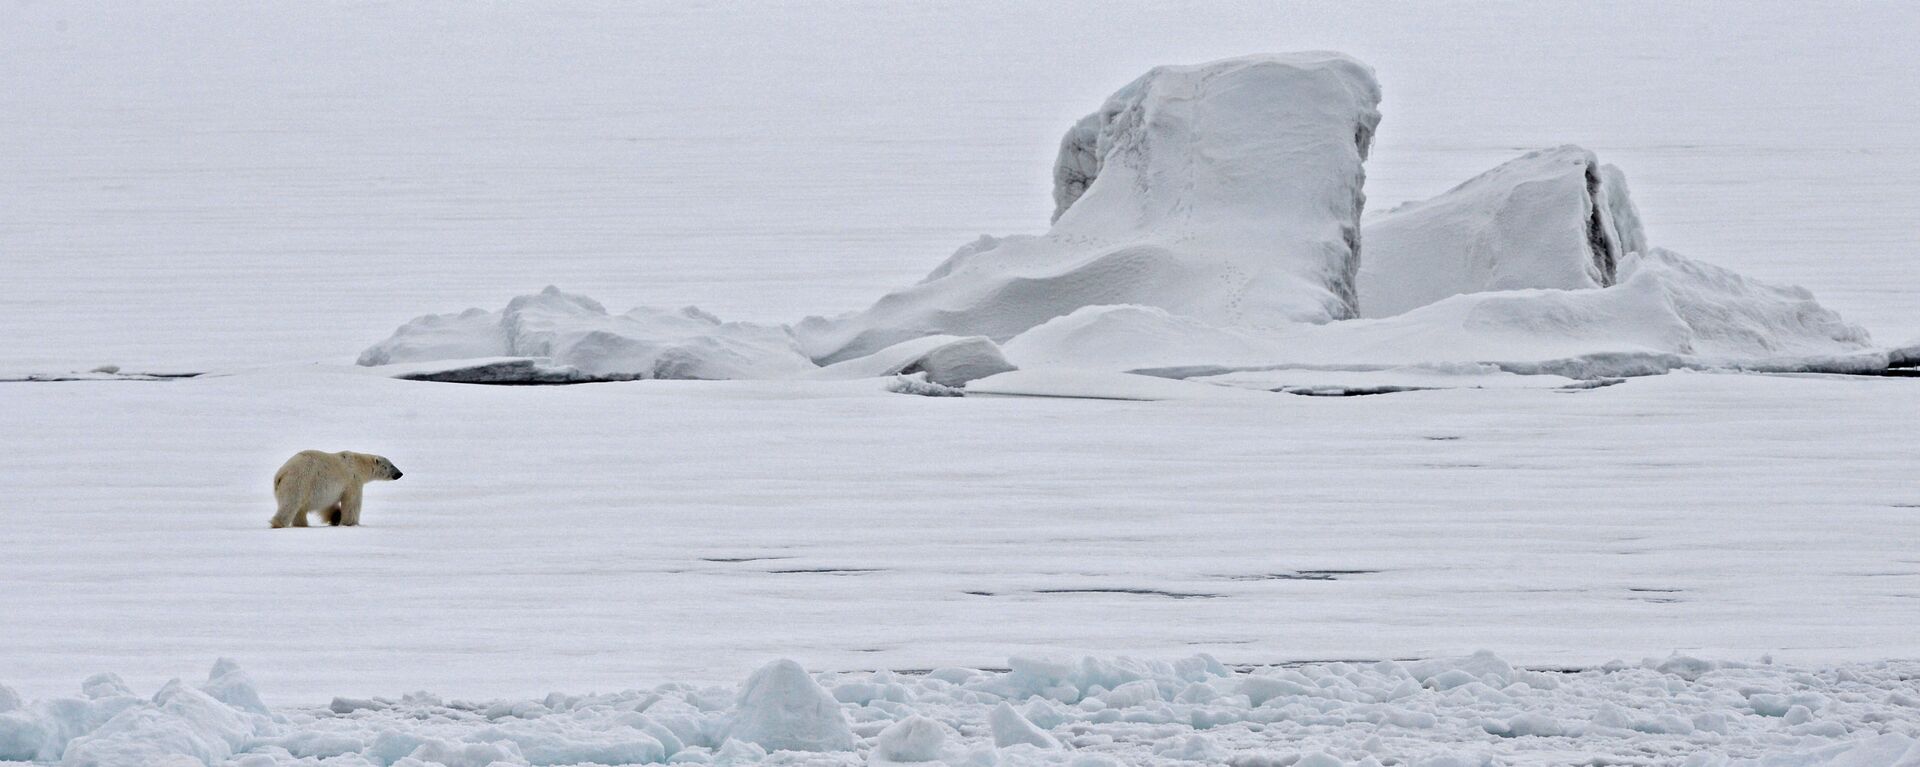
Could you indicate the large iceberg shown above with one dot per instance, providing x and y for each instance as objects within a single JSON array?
[
  {"x": 1228, "y": 192},
  {"x": 1207, "y": 220},
  {"x": 1554, "y": 218}
]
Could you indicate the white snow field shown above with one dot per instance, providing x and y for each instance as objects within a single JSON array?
[
  {"x": 1130, "y": 542},
  {"x": 601, "y": 537}
]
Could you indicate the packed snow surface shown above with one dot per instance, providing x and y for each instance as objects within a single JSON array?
[
  {"x": 564, "y": 538},
  {"x": 1084, "y": 712}
]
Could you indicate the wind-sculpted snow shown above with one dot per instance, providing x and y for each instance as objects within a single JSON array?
[
  {"x": 1554, "y": 218},
  {"x": 1477, "y": 710},
  {"x": 1666, "y": 312},
  {"x": 1229, "y": 192}
]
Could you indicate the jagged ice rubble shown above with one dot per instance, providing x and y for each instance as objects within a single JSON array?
[
  {"x": 1209, "y": 220},
  {"x": 1087, "y": 712}
]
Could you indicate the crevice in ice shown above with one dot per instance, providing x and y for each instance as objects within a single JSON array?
[
  {"x": 518, "y": 372},
  {"x": 1346, "y": 391},
  {"x": 1139, "y": 592},
  {"x": 1301, "y": 575},
  {"x": 1605, "y": 251},
  {"x": 99, "y": 376},
  {"x": 741, "y": 559}
]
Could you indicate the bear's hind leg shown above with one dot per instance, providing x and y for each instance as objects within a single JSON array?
[{"x": 287, "y": 514}]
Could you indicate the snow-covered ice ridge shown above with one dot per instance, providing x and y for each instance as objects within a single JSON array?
[
  {"x": 1088, "y": 712},
  {"x": 1209, "y": 217}
]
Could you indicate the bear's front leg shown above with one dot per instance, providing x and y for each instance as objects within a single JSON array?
[
  {"x": 350, "y": 507},
  {"x": 334, "y": 515}
]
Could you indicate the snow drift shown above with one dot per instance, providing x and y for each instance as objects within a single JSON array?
[
  {"x": 1474, "y": 710},
  {"x": 1555, "y": 218},
  {"x": 1667, "y": 312},
  {"x": 1229, "y": 192}
]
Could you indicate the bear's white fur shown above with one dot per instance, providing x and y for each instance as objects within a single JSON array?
[{"x": 329, "y": 483}]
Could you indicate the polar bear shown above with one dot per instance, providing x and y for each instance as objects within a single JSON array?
[{"x": 329, "y": 483}]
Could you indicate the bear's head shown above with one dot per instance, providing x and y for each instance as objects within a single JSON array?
[{"x": 378, "y": 467}]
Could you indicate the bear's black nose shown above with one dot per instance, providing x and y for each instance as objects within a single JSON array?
[{"x": 397, "y": 474}]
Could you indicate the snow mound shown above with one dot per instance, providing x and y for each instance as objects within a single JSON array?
[
  {"x": 782, "y": 708},
  {"x": 911, "y": 740},
  {"x": 1666, "y": 312},
  {"x": 576, "y": 332},
  {"x": 1730, "y": 317},
  {"x": 1554, "y": 218},
  {"x": 1229, "y": 191}
]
